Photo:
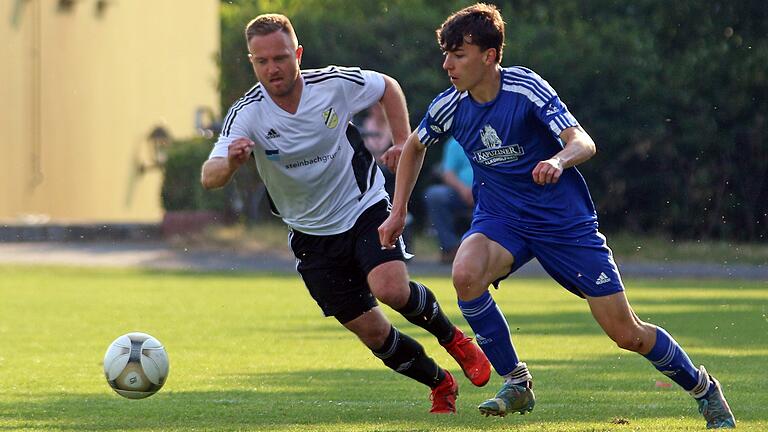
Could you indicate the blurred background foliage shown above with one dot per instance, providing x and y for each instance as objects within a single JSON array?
[
  {"x": 181, "y": 189},
  {"x": 674, "y": 93}
]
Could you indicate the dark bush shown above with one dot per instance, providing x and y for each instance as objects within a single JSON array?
[{"x": 181, "y": 182}]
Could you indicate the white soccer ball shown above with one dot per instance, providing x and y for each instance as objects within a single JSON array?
[{"x": 136, "y": 365}]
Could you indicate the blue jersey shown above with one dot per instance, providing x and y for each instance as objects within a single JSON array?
[{"x": 504, "y": 139}]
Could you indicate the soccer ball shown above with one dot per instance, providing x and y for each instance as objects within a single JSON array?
[{"x": 136, "y": 365}]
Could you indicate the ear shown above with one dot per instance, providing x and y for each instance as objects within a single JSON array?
[
  {"x": 490, "y": 56},
  {"x": 299, "y": 52}
]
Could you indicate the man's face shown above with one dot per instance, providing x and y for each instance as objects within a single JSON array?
[
  {"x": 466, "y": 66},
  {"x": 275, "y": 58}
]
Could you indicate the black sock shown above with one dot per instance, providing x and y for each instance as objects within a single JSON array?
[
  {"x": 405, "y": 356},
  {"x": 423, "y": 310}
]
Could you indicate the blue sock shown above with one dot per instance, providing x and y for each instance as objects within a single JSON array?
[
  {"x": 491, "y": 331},
  {"x": 669, "y": 358}
]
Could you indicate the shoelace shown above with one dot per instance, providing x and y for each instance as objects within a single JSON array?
[
  {"x": 703, "y": 406},
  {"x": 458, "y": 346}
]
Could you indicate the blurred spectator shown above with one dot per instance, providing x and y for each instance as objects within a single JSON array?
[
  {"x": 378, "y": 139},
  {"x": 450, "y": 203}
]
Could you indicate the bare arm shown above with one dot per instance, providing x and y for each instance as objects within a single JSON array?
[
  {"x": 393, "y": 102},
  {"x": 578, "y": 148},
  {"x": 411, "y": 160},
  {"x": 218, "y": 171}
]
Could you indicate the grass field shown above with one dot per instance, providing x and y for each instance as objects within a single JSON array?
[
  {"x": 270, "y": 236},
  {"x": 251, "y": 352}
]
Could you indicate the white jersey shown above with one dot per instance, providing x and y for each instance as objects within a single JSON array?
[{"x": 318, "y": 180}]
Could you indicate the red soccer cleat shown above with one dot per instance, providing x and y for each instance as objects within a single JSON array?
[
  {"x": 470, "y": 357},
  {"x": 443, "y": 396}
]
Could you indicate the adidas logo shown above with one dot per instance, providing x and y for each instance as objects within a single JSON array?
[
  {"x": 273, "y": 134},
  {"x": 552, "y": 110},
  {"x": 481, "y": 340},
  {"x": 602, "y": 279},
  {"x": 405, "y": 366}
]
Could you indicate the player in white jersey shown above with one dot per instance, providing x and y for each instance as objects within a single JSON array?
[
  {"x": 328, "y": 190},
  {"x": 530, "y": 201}
]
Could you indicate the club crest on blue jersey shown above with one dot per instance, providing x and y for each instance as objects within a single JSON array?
[
  {"x": 494, "y": 152},
  {"x": 273, "y": 155}
]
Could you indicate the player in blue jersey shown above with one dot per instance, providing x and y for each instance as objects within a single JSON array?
[{"x": 530, "y": 201}]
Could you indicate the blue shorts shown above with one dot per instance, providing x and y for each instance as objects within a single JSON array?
[{"x": 580, "y": 261}]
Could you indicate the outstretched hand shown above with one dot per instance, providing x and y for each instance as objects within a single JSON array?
[{"x": 548, "y": 171}]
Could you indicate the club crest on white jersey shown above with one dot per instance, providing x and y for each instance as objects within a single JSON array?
[{"x": 330, "y": 118}]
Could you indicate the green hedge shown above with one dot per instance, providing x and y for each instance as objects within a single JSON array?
[
  {"x": 675, "y": 94},
  {"x": 181, "y": 183}
]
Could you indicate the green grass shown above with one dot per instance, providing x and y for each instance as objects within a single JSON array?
[
  {"x": 251, "y": 352},
  {"x": 659, "y": 249},
  {"x": 271, "y": 236}
]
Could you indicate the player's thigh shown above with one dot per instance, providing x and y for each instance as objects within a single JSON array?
[
  {"x": 582, "y": 264},
  {"x": 331, "y": 275},
  {"x": 479, "y": 262},
  {"x": 367, "y": 248},
  {"x": 612, "y": 312},
  {"x": 384, "y": 268},
  {"x": 616, "y": 317}
]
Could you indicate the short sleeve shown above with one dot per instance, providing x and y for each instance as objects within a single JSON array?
[
  {"x": 233, "y": 127},
  {"x": 362, "y": 88},
  {"x": 556, "y": 116},
  {"x": 438, "y": 120},
  {"x": 546, "y": 104}
]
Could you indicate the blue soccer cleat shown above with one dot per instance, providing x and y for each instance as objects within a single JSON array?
[
  {"x": 511, "y": 398},
  {"x": 714, "y": 407}
]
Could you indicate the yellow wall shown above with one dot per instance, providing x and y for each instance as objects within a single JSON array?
[{"x": 81, "y": 90}]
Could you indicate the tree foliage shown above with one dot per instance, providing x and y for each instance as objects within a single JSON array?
[{"x": 674, "y": 93}]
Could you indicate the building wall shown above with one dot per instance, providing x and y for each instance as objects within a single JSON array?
[{"x": 86, "y": 84}]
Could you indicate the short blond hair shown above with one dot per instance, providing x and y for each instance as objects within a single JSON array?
[{"x": 269, "y": 23}]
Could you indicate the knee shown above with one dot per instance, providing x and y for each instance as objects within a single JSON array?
[
  {"x": 631, "y": 339},
  {"x": 467, "y": 281},
  {"x": 392, "y": 293},
  {"x": 629, "y": 343},
  {"x": 375, "y": 336}
]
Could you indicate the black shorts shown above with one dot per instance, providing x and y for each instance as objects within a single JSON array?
[{"x": 335, "y": 267}]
